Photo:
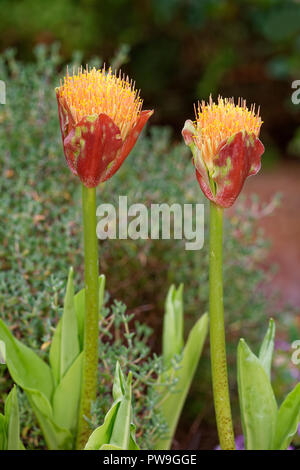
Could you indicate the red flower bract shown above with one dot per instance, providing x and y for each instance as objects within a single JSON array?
[
  {"x": 100, "y": 118},
  {"x": 226, "y": 148}
]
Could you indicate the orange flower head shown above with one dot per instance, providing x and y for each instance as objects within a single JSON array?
[
  {"x": 225, "y": 145},
  {"x": 215, "y": 123},
  {"x": 101, "y": 117}
]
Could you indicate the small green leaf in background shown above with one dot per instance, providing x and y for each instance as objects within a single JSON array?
[
  {"x": 288, "y": 420},
  {"x": 120, "y": 436},
  {"x": 171, "y": 402},
  {"x": 257, "y": 402},
  {"x": 267, "y": 348},
  {"x": 10, "y": 423},
  {"x": 117, "y": 431},
  {"x": 69, "y": 329},
  {"x": 54, "y": 355},
  {"x": 173, "y": 325},
  {"x": 11, "y": 413}
]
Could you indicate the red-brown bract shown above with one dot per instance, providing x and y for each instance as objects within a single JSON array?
[{"x": 101, "y": 117}]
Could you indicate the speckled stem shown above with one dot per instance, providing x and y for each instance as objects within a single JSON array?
[
  {"x": 217, "y": 331},
  {"x": 91, "y": 327}
]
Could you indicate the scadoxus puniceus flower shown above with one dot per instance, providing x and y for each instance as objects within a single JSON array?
[
  {"x": 101, "y": 117},
  {"x": 225, "y": 146}
]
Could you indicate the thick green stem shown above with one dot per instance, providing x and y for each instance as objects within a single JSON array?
[
  {"x": 91, "y": 329},
  {"x": 217, "y": 331}
]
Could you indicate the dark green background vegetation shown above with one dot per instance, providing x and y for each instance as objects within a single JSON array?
[{"x": 179, "y": 50}]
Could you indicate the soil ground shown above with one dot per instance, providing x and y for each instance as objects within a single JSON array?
[{"x": 282, "y": 227}]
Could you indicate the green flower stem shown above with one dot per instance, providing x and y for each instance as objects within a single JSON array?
[
  {"x": 91, "y": 330},
  {"x": 217, "y": 331}
]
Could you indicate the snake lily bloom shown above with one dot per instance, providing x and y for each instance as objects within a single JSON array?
[
  {"x": 226, "y": 149},
  {"x": 101, "y": 118},
  {"x": 225, "y": 146}
]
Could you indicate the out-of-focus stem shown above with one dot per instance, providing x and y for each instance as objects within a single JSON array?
[{"x": 217, "y": 331}]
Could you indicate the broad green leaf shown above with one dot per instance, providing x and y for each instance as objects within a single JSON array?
[
  {"x": 257, "y": 402},
  {"x": 267, "y": 348},
  {"x": 69, "y": 329},
  {"x": 12, "y": 420},
  {"x": 173, "y": 324},
  {"x": 25, "y": 367},
  {"x": 67, "y": 395},
  {"x": 3, "y": 433},
  {"x": 172, "y": 402},
  {"x": 56, "y": 437},
  {"x": 120, "y": 436},
  {"x": 102, "y": 434},
  {"x": 288, "y": 420}
]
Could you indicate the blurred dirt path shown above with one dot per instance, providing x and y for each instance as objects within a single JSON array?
[{"x": 282, "y": 227}]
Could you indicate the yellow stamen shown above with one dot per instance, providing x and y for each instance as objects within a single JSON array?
[
  {"x": 215, "y": 123},
  {"x": 99, "y": 91}
]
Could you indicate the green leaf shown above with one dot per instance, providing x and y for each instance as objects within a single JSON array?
[
  {"x": 119, "y": 383},
  {"x": 35, "y": 378},
  {"x": 257, "y": 402},
  {"x": 132, "y": 442},
  {"x": 54, "y": 355},
  {"x": 3, "y": 433},
  {"x": 12, "y": 420},
  {"x": 117, "y": 432},
  {"x": 56, "y": 437},
  {"x": 173, "y": 324},
  {"x": 267, "y": 348},
  {"x": 67, "y": 395},
  {"x": 69, "y": 329},
  {"x": 102, "y": 434},
  {"x": 172, "y": 402},
  {"x": 25, "y": 367},
  {"x": 288, "y": 420},
  {"x": 120, "y": 436}
]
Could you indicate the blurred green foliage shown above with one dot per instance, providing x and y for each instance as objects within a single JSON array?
[
  {"x": 40, "y": 237},
  {"x": 180, "y": 51}
]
